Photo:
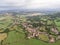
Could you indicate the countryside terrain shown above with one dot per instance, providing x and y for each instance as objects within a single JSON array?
[{"x": 30, "y": 29}]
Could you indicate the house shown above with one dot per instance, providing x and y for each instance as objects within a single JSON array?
[{"x": 52, "y": 39}]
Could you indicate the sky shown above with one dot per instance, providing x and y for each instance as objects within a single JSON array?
[{"x": 29, "y": 4}]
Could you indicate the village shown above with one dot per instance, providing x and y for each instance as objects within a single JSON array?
[
  {"x": 50, "y": 31},
  {"x": 42, "y": 28}
]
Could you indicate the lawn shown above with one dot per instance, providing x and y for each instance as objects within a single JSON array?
[{"x": 15, "y": 38}]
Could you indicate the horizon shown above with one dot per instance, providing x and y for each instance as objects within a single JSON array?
[{"x": 30, "y": 4}]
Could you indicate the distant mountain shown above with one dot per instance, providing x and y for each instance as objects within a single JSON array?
[{"x": 48, "y": 11}]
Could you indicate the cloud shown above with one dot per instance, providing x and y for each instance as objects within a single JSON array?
[
  {"x": 12, "y": 2},
  {"x": 43, "y": 4},
  {"x": 30, "y": 4}
]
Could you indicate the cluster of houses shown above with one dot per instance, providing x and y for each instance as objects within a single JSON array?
[{"x": 35, "y": 32}]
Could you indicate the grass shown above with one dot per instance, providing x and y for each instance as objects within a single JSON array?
[
  {"x": 15, "y": 38},
  {"x": 19, "y": 39},
  {"x": 44, "y": 37}
]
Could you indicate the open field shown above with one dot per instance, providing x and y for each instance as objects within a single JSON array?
[{"x": 15, "y": 32}]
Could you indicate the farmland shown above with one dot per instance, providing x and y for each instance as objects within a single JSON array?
[{"x": 29, "y": 30}]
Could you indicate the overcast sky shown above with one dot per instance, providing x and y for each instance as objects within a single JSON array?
[{"x": 29, "y": 4}]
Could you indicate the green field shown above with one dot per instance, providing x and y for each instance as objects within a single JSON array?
[{"x": 19, "y": 38}]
